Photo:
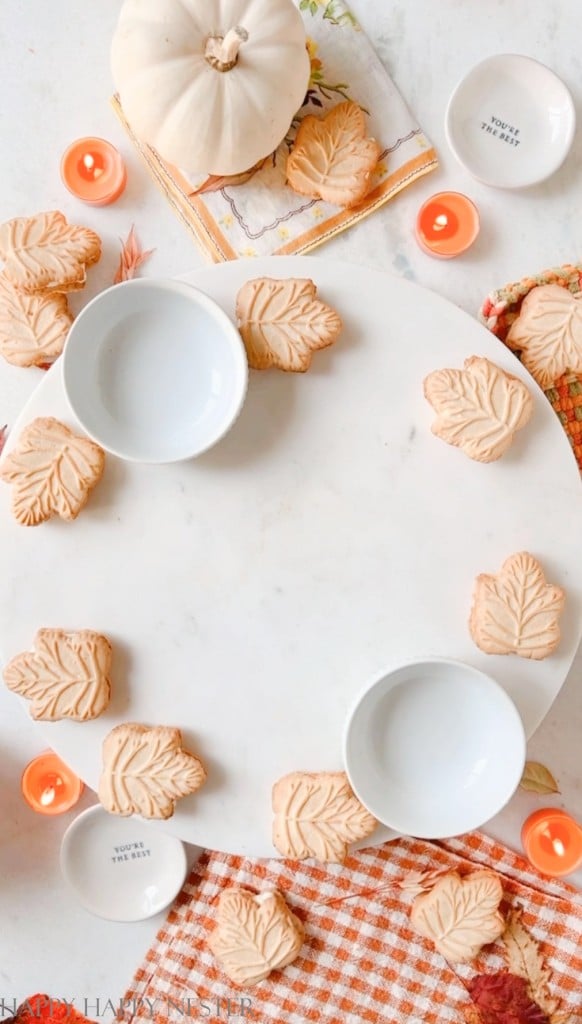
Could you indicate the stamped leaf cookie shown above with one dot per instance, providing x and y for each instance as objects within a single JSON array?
[
  {"x": 52, "y": 472},
  {"x": 254, "y": 935},
  {"x": 318, "y": 815},
  {"x": 516, "y": 611},
  {"x": 548, "y": 333},
  {"x": 145, "y": 770},
  {"x": 67, "y": 675},
  {"x": 460, "y": 915},
  {"x": 47, "y": 254},
  {"x": 479, "y": 408},
  {"x": 282, "y": 323},
  {"x": 332, "y": 159},
  {"x": 33, "y": 328}
]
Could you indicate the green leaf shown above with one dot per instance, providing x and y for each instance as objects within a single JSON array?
[
  {"x": 537, "y": 778},
  {"x": 313, "y": 8}
]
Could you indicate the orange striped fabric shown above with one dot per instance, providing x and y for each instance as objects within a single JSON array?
[{"x": 361, "y": 960}]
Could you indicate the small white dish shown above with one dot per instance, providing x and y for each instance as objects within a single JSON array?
[
  {"x": 120, "y": 868},
  {"x": 434, "y": 748},
  {"x": 510, "y": 121},
  {"x": 154, "y": 371}
]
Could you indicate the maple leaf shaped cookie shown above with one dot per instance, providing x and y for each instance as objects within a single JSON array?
[
  {"x": 516, "y": 611},
  {"x": 145, "y": 770},
  {"x": 548, "y": 333},
  {"x": 282, "y": 323},
  {"x": 46, "y": 254},
  {"x": 52, "y": 472},
  {"x": 332, "y": 159},
  {"x": 67, "y": 675},
  {"x": 254, "y": 935},
  {"x": 318, "y": 815},
  {"x": 33, "y": 328},
  {"x": 479, "y": 408},
  {"x": 460, "y": 915}
]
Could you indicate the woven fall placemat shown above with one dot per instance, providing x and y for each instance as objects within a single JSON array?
[
  {"x": 361, "y": 960},
  {"x": 257, "y": 214},
  {"x": 503, "y": 306}
]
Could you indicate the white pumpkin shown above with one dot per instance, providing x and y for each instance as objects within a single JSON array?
[{"x": 212, "y": 85}]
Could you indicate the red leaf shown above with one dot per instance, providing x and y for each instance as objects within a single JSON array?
[
  {"x": 504, "y": 999},
  {"x": 47, "y": 1009},
  {"x": 132, "y": 257}
]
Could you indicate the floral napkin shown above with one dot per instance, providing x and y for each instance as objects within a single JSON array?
[
  {"x": 257, "y": 214},
  {"x": 361, "y": 960}
]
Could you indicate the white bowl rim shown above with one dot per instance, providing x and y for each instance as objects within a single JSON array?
[
  {"x": 80, "y": 821},
  {"x": 189, "y": 291},
  {"x": 561, "y": 157},
  {"x": 429, "y": 659}
]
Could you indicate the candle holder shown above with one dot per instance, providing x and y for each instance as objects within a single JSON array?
[
  {"x": 93, "y": 171},
  {"x": 49, "y": 786},
  {"x": 552, "y": 842},
  {"x": 447, "y": 225}
]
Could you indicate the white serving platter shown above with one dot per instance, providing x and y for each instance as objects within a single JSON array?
[{"x": 252, "y": 593}]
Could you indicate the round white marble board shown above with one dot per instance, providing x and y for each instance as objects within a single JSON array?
[{"x": 252, "y": 593}]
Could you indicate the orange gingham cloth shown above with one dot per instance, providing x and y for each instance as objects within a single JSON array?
[{"x": 361, "y": 960}]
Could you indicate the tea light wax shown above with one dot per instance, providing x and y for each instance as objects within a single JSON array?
[
  {"x": 49, "y": 786},
  {"x": 447, "y": 224},
  {"x": 93, "y": 170},
  {"x": 552, "y": 842}
]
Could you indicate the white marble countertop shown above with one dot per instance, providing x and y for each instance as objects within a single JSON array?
[{"x": 56, "y": 85}]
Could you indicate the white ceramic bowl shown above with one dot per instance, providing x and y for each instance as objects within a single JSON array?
[
  {"x": 510, "y": 121},
  {"x": 434, "y": 748},
  {"x": 154, "y": 371},
  {"x": 121, "y": 868}
]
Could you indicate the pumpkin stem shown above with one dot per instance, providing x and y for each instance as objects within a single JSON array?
[{"x": 222, "y": 51}]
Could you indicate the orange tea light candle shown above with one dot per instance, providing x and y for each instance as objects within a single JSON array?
[
  {"x": 552, "y": 842},
  {"x": 49, "y": 786},
  {"x": 447, "y": 224},
  {"x": 92, "y": 169}
]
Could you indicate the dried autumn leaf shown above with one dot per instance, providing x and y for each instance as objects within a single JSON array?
[
  {"x": 214, "y": 182},
  {"x": 33, "y": 328},
  {"x": 524, "y": 959},
  {"x": 145, "y": 770},
  {"x": 45, "y": 253},
  {"x": 131, "y": 258},
  {"x": 416, "y": 882},
  {"x": 282, "y": 323},
  {"x": 67, "y": 675},
  {"x": 537, "y": 778},
  {"x": 548, "y": 333},
  {"x": 460, "y": 915},
  {"x": 254, "y": 935},
  {"x": 332, "y": 159},
  {"x": 504, "y": 999},
  {"x": 52, "y": 471},
  {"x": 479, "y": 408},
  {"x": 516, "y": 611},
  {"x": 317, "y": 815}
]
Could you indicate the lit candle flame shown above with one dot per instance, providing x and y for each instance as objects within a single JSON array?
[
  {"x": 440, "y": 222},
  {"x": 559, "y": 847},
  {"x": 90, "y": 164}
]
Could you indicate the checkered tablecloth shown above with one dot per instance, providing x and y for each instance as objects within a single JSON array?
[{"x": 361, "y": 960}]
